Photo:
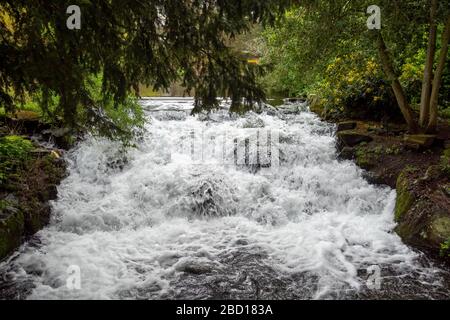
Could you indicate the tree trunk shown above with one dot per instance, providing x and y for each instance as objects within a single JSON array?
[
  {"x": 432, "y": 124},
  {"x": 428, "y": 71},
  {"x": 396, "y": 85}
]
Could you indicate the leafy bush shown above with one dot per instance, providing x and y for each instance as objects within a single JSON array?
[
  {"x": 14, "y": 147},
  {"x": 354, "y": 86},
  {"x": 14, "y": 151},
  {"x": 411, "y": 75}
]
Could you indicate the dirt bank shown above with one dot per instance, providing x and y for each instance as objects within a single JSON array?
[
  {"x": 418, "y": 167},
  {"x": 29, "y": 175}
]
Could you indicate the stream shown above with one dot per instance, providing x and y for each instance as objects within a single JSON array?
[{"x": 220, "y": 207}]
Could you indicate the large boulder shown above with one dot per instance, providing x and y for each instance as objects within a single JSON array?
[
  {"x": 351, "y": 138},
  {"x": 12, "y": 228},
  {"x": 209, "y": 196},
  {"x": 422, "y": 208},
  {"x": 253, "y": 121}
]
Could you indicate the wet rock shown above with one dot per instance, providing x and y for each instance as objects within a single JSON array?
[
  {"x": 28, "y": 122},
  {"x": 210, "y": 197},
  {"x": 419, "y": 141},
  {"x": 288, "y": 109},
  {"x": 37, "y": 219},
  {"x": 439, "y": 229},
  {"x": 294, "y": 100},
  {"x": 263, "y": 107},
  {"x": 422, "y": 210},
  {"x": 60, "y": 136},
  {"x": 345, "y": 126},
  {"x": 117, "y": 162},
  {"x": 352, "y": 138},
  {"x": 196, "y": 269},
  {"x": 347, "y": 153},
  {"x": 254, "y": 122},
  {"x": 293, "y": 108},
  {"x": 25, "y": 210},
  {"x": 433, "y": 172},
  {"x": 170, "y": 115},
  {"x": 374, "y": 178},
  {"x": 12, "y": 227},
  {"x": 41, "y": 152},
  {"x": 405, "y": 197},
  {"x": 272, "y": 111}
]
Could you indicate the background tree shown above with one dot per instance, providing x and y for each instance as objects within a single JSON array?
[
  {"x": 125, "y": 43},
  {"x": 304, "y": 53}
]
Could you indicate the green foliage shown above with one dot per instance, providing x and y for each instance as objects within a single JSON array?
[
  {"x": 353, "y": 85},
  {"x": 324, "y": 48},
  {"x": 14, "y": 151},
  {"x": 299, "y": 48},
  {"x": 445, "y": 249},
  {"x": 445, "y": 161},
  {"x": 3, "y": 204},
  {"x": 153, "y": 43},
  {"x": 116, "y": 120}
]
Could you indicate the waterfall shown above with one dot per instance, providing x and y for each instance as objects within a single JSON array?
[{"x": 220, "y": 206}]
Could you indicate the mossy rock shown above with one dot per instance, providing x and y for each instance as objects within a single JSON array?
[
  {"x": 365, "y": 158},
  {"x": 439, "y": 230},
  {"x": 11, "y": 232},
  {"x": 445, "y": 162},
  {"x": 421, "y": 140},
  {"x": 347, "y": 153},
  {"x": 405, "y": 198}
]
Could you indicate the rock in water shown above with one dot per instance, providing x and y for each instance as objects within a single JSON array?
[
  {"x": 210, "y": 197},
  {"x": 254, "y": 121}
]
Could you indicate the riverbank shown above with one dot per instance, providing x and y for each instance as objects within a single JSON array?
[
  {"x": 417, "y": 166},
  {"x": 29, "y": 174}
]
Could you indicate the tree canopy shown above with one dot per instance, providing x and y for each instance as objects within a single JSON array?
[
  {"x": 305, "y": 47},
  {"x": 126, "y": 43}
]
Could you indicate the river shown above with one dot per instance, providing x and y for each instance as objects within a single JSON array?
[{"x": 195, "y": 211}]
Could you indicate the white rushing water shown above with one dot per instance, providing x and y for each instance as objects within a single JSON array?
[{"x": 154, "y": 222}]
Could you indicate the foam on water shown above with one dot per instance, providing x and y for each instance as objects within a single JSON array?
[{"x": 152, "y": 223}]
